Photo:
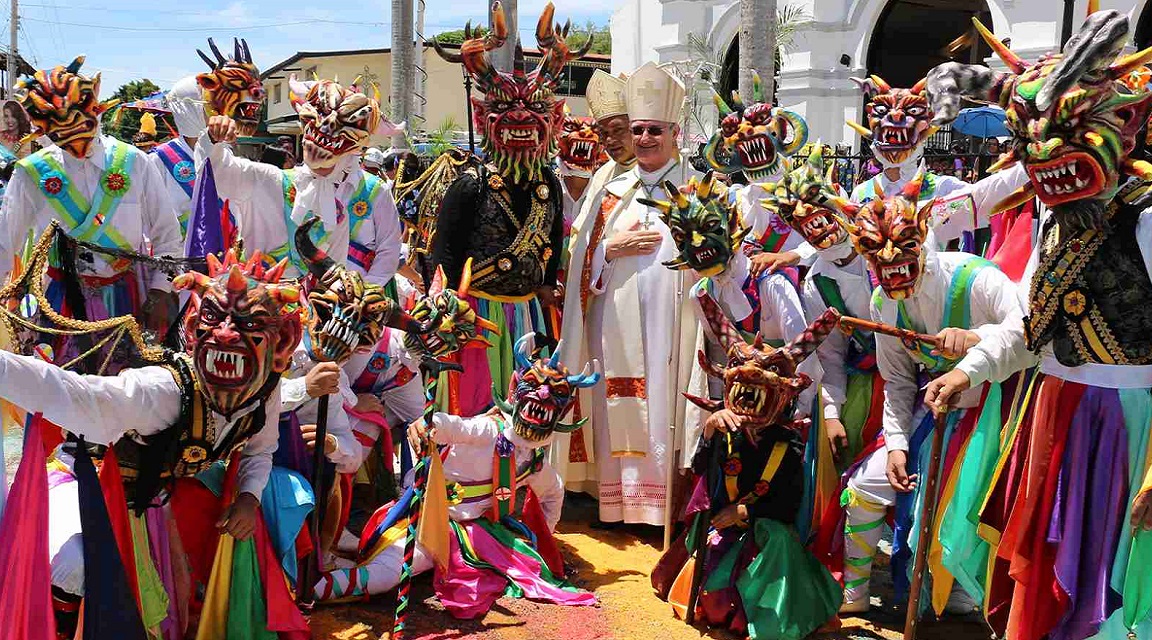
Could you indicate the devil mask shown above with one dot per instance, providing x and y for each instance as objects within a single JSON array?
[
  {"x": 64, "y": 105},
  {"x": 890, "y": 233},
  {"x": 344, "y": 313},
  {"x": 760, "y": 381},
  {"x": 541, "y": 392},
  {"x": 580, "y": 150},
  {"x": 1074, "y": 116},
  {"x": 803, "y": 198},
  {"x": 520, "y": 116},
  {"x": 753, "y": 138},
  {"x": 241, "y": 328},
  {"x": 899, "y": 121},
  {"x": 232, "y": 88},
  {"x": 450, "y": 322},
  {"x": 705, "y": 227},
  {"x": 337, "y": 120}
]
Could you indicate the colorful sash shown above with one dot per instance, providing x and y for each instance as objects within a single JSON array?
[
  {"x": 773, "y": 239},
  {"x": 360, "y": 209},
  {"x": 371, "y": 380},
  {"x": 750, "y": 325},
  {"x": 179, "y": 164},
  {"x": 870, "y": 192},
  {"x": 88, "y": 221},
  {"x": 957, "y": 313},
  {"x": 861, "y": 344},
  {"x": 288, "y": 250}
]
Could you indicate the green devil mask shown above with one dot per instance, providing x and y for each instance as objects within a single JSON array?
[
  {"x": 804, "y": 198},
  {"x": 706, "y": 228},
  {"x": 753, "y": 138}
]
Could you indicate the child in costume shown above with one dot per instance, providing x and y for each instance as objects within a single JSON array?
[
  {"x": 358, "y": 221},
  {"x": 1067, "y": 509},
  {"x": 758, "y": 578},
  {"x": 755, "y": 139},
  {"x": 485, "y": 459},
  {"x": 101, "y": 191},
  {"x": 971, "y": 308},
  {"x": 507, "y": 214}
]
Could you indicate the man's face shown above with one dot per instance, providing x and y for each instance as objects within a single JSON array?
[
  {"x": 654, "y": 142},
  {"x": 617, "y": 138}
]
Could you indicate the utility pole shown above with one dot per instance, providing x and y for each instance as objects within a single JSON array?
[
  {"x": 401, "y": 67},
  {"x": 420, "y": 95},
  {"x": 12, "y": 72}
]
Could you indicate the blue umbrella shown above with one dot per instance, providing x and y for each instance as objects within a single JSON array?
[{"x": 982, "y": 122}]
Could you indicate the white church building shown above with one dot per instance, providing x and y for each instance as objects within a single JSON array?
[{"x": 899, "y": 40}]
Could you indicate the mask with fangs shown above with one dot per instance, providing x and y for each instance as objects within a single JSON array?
[
  {"x": 233, "y": 87},
  {"x": 64, "y": 105},
  {"x": 706, "y": 228},
  {"x": 899, "y": 121},
  {"x": 580, "y": 146},
  {"x": 753, "y": 138},
  {"x": 336, "y": 120},
  {"x": 450, "y": 322},
  {"x": 806, "y": 198}
]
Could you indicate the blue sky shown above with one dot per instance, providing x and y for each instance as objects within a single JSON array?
[{"x": 157, "y": 39}]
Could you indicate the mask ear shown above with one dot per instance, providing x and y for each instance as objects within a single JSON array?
[
  {"x": 923, "y": 215},
  {"x": 207, "y": 81},
  {"x": 190, "y": 320},
  {"x": 479, "y": 113},
  {"x": 288, "y": 337}
]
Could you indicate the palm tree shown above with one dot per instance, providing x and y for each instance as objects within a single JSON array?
[
  {"x": 403, "y": 62},
  {"x": 440, "y": 139},
  {"x": 757, "y": 44}
]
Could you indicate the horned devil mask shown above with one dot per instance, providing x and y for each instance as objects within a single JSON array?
[
  {"x": 1074, "y": 116},
  {"x": 64, "y": 105},
  {"x": 753, "y": 138},
  {"x": 706, "y": 228},
  {"x": 804, "y": 198},
  {"x": 241, "y": 327},
  {"x": 760, "y": 381},
  {"x": 232, "y": 88},
  {"x": 451, "y": 323},
  {"x": 520, "y": 116},
  {"x": 580, "y": 147},
  {"x": 337, "y": 120},
  {"x": 541, "y": 392},
  {"x": 899, "y": 120}
]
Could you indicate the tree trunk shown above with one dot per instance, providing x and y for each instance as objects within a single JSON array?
[
  {"x": 402, "y": 66},
  {"x": 503, "y": 57},
  {"x": 757, "y": 46}
]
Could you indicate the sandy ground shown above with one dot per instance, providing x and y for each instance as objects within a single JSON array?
[{"x": 615, "y": 565}]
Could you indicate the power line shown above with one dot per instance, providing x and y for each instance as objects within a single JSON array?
[{"x": 110, "y": 27}]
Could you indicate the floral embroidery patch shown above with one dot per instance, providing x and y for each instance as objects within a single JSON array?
[
  {"x": 184, "y": 171},
  {"x": 52, "y": 184},
  {"x": 116, "y": 183}
]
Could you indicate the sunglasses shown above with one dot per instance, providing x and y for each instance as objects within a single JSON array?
[{"x": 652, "y": 129}]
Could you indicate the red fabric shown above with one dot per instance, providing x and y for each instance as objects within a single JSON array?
[
  {"x": 304, "y": 546},
  {"x": 283, "y": 615},
  {"x": 26, "y": 588},
  {"x": 1013, "y": 252},
  {"x": 51, "y": 435},
  {"x": 196, "y": 511},
  {"x": 545, "y": 543},
  {"x": 346, "y": 482},
  {"x": 112, "y": 485}
]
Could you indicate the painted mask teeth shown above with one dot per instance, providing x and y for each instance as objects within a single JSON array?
[
  {"x": 227, "y": 365},
  {"x": 897, "y": 271},
  {"x": 894, "y": 136},
  {"x": 756, "y": 151},
  {"x": 746, "y": 398},
  {"x": 1064, "y": 178},
  {"x": 705, "y": 253}
]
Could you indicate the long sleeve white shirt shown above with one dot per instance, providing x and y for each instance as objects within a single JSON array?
[
  {"x": 856, "y": 290},
  {"x": 996, "y": 315},
  {"x": 348, "y": 454},
  {"x": 146, "y": 400},
  {"x": 255, "y": 193},
  {"x": 145, "y": 216},
  {"x": 473, "y": 441},
  {"x": 181, "y": 202}
]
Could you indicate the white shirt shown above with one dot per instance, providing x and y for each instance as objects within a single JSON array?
[
  {"x": 181, "y": 201},
  {"x": 145, "y": 216},
  {"x": 144, "y": 400},
  {"x": 255, "y": 192},
  {"x": 996, "y": 315},
  {"x": 348, "y": 454},
  {"x": 473, "y": 442},
  {"x": 856, "y": 290}
]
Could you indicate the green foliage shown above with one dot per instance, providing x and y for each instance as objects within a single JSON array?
[
  {"x": 440, "y": 138},
  {"x": 129, "y": 119},
  {"x": 601, "y": 44},
  {"x": 457, "y": 36}
]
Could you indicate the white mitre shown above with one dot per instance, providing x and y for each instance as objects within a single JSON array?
[
  {"x": 654, "y": 94},
  {"x": 605, "y": 95}
]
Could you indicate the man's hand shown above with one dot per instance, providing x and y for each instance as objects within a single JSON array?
[
  {"x": 954, "y": 343},
  {"x": 158, "y": 310},
  {"x": 941, "y": 393},
  {"x": 723, "y": 421},
  {"x": 837, "y": 436},
  {"x": 222, "y": 129},
  {"x": 308, "y": 432},
  {"x": 322, "y": 379},
  {"x": 768, "y": 262},
  {"x": 239, "y": 520},
  {"x": 897, "y": 472},
  {"x": 730, "y": 516},
  {"x": 632, "y": 243},
  {"x": 1142, "y": 512},
  {"x": 368, "y": 403},
  {"x": 418, "y": 433}
]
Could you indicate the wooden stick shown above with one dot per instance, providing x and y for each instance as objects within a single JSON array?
[
  {"x": 927, "y": 517},
  {"x": 307, "y": 579},
  {"x": 848, "y": 324}
]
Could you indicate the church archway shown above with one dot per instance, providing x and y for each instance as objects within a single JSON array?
[
  {"x": 1142, "y": 36},
  {"x": 912, "y": 36}
]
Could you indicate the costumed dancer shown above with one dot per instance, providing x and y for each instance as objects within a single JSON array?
[
  {"x": 358, "y": 221},
  {"x": 899, "y": 126},
  {"x": 757, "y": 577},
  {"x": 498, "y": 543},
  {"x": 102, "y": 191},
  {"x": 622, "y": 307},
  {"x": 571, "y": 454},
  {"x": 580, "y": 156},
  {"x": 506, "y": 214},
  {"x": 754, "y": 140},
  {"x": 145, "y": 138},
  {"x": 972, "y": 309},
  {"x": 1067, "y": 517},
  {"x": 166, "y": 423},
  {"x": 233, "y": 88}
]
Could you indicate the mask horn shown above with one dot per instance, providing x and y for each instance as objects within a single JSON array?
[
  {"x": 554, "y": 360},
  {"x": 679, "y": 199},
  {"x": 318, "y": 262},
  {"x": 465, "y": 279},
  {"x": 525, "y": 345},
  {"x": 799, "y": 131},
  {"x": 804, "y": 344},
  {"x": 1014, "y": 62},
  {"x": 590, "y": 376},
  {"x": 74, "y": 66},
  {"x": 718, "y": 321},
  {"x": 438, "y": 279}
]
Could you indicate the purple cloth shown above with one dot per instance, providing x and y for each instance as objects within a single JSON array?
[
  {"x": 162, "y": 557},
  {"x": 205, "y": 232},
  {"x": 1089, "y": 510}
]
